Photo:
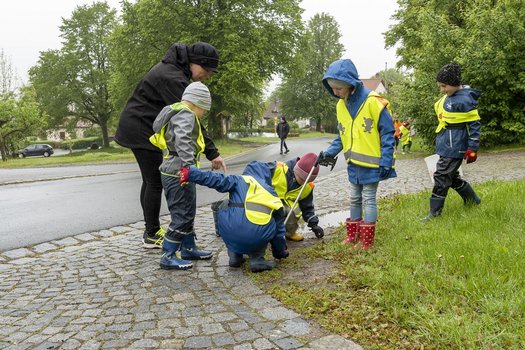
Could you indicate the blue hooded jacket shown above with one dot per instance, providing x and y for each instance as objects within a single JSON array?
[
  {"x": 452, "y": 142},
  {"x": 238, "y": 233},
  {"x": 344, "y": 70}
]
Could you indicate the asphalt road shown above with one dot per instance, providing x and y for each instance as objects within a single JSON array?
[{"x": 43, "y": 204}]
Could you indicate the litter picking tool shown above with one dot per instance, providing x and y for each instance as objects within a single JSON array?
[{"x": 323, "y": 160}]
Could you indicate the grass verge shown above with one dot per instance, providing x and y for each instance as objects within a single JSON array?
[{"x": 453, "y": 283}]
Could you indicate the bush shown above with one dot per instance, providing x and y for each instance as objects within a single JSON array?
[{"x": 83, "y": 143}]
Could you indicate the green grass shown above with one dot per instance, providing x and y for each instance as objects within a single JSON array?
[
  {"x": 114, "y": 154},
  {"x": 455, "y": 282}
]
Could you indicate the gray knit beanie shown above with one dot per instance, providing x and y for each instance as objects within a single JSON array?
[{"x": 198, "y": 94}]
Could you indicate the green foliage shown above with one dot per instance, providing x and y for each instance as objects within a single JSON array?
[
  {"x": 255, "y": 39},
  {"x": 301, "y": 93},
  {"x": 73, "y": 81},
  {"x": 19, "y": 118},
  {"x": 483, "y": 37},
  {"x": 452, "y": 283}
]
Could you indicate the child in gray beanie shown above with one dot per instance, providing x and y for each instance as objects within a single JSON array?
[{"x": 178, "y": 134}]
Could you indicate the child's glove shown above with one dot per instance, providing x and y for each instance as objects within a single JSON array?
[
  {"x": 280, "y": 254},
  {"x": 470, "y": 156},
  {"x": 318, "y": 231},
  {"x": 384, "y": 172},
  {"x": 184, "y": 174}
]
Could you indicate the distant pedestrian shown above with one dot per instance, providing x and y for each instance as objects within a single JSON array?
[
  {"x": 458, "y": 134},
  {"x": 397, "y": 125},
  {"x": 282, "y": 131},
  {"x": 163, "y": 85},
  {"x": 405, "y": 137},
  {"x": 179, "y": 135},
  {"x": 366, "y": 136}
]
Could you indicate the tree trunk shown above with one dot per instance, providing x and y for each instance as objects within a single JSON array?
[{"x": 105, "y": 136}]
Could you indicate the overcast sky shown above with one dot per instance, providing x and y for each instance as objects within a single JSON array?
[{"x": 30, "y": 26}]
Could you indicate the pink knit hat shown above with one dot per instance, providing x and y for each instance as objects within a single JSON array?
[{"x": 304, "y": 165}]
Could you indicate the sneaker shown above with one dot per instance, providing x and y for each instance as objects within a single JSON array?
[
  {"x": 155, "y": 241},
  {"x": 287, "y": 151}
]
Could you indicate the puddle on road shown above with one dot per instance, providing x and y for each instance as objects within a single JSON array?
[{"x": 334, "y": 219}]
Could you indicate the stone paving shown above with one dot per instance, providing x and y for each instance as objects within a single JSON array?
[{"x": 102, "y": 290}]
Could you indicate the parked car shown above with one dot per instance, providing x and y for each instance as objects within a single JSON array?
[{"x": 38, "y": 149}]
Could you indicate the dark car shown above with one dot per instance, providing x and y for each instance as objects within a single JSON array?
[{"x": 38, "y": 149}]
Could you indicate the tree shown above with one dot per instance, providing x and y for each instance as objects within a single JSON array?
[
  {"x": 255, "y": 38},
  {"x": 19, "y": 117},
  {"x": 302, "y": 93},
  {"x": 73, "y": 81},
  {"x": 19, "y": 114},
  {"x": 483, "y": 37}
]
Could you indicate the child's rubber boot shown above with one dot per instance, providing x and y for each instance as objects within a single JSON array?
[
  {"x": 189, "y": 249},
  {"x": 170, "y": 258}
]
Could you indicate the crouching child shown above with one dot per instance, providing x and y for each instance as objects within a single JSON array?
[{"x": 249, "y": 219}]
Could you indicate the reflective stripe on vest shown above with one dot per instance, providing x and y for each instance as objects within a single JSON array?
[
  {"x": 159, "y": 139},
  {"x": 360, "y": 136},
  {"x": 259, "y": 204},
  {"x": 280, "y": 185},
  {"x": 445, "y": 117}
]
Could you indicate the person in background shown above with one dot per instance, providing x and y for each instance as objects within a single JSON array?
[
  {"x": 163, "y": 85},
  {"x": 405, "y": 137},
  {"x": 282, "y": 131},
  {"x": 179, "y": 135},
  {"x": 397, "y": 133},
  {"x": 366, "y": 136},
  {"x": 250, "y": 218},
  {"x": 458, "y": 134}
]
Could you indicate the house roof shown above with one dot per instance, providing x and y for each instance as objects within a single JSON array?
[{"x": 371, "y": 84}]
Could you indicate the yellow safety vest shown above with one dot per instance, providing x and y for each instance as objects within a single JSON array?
[
  {"x": 280, "y": 185},
  {"x": 445, "y": 117},
  {"x": 405, "y": 135},
  {"x": 158, "y": 139},
  {"x": 259, "y": 204},
  {"x": 360, "y": 136}
]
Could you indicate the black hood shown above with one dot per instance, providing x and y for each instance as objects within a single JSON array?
[{"x": 178, "y": 56}]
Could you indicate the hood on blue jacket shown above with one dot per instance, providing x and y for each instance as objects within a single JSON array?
[{"x": 343, "y": 70}]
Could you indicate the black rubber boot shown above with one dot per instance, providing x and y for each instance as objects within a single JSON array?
[
  {"x": 467, "y": 193},
  {"x": 235, "y": 260},
  {"x": 258, "y": 263},
  {"x": 436, "y": 207}
]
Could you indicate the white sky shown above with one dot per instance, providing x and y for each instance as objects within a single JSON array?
[{"x": 30, "y": 26}]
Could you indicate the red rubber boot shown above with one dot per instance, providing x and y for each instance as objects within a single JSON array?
[
  {"x": 367, "y": 232},
  {"x": 352, "y": 231}
]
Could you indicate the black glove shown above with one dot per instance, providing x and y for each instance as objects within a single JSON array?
[
  {"x": 318, "y": 230},
  {"x": 280, "y": 255},
  {"x": 384, "y": 172}
]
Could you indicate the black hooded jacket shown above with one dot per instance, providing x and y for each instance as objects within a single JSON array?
[{"x": 163, "y": 85}]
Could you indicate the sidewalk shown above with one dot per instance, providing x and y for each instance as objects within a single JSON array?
[{"x": 102, "y": 290}]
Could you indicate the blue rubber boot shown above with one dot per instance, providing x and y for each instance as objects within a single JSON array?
[
  {"x": 170, "y": 258},
  {"x": 236, "y": 260},
  {"x": 468, "y": 195},
  {"x": 258, "y": 263},
  {"x": 189, "y": 249}
]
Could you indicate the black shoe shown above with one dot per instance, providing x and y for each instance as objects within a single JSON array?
[
  {"x": 287, "y": 151},
  {"x": 281, "y": 153}
]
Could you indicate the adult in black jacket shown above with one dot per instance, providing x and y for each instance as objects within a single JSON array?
[
  {"x": 282, "y": 131},
  {"x": 163, "y": 85}
]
